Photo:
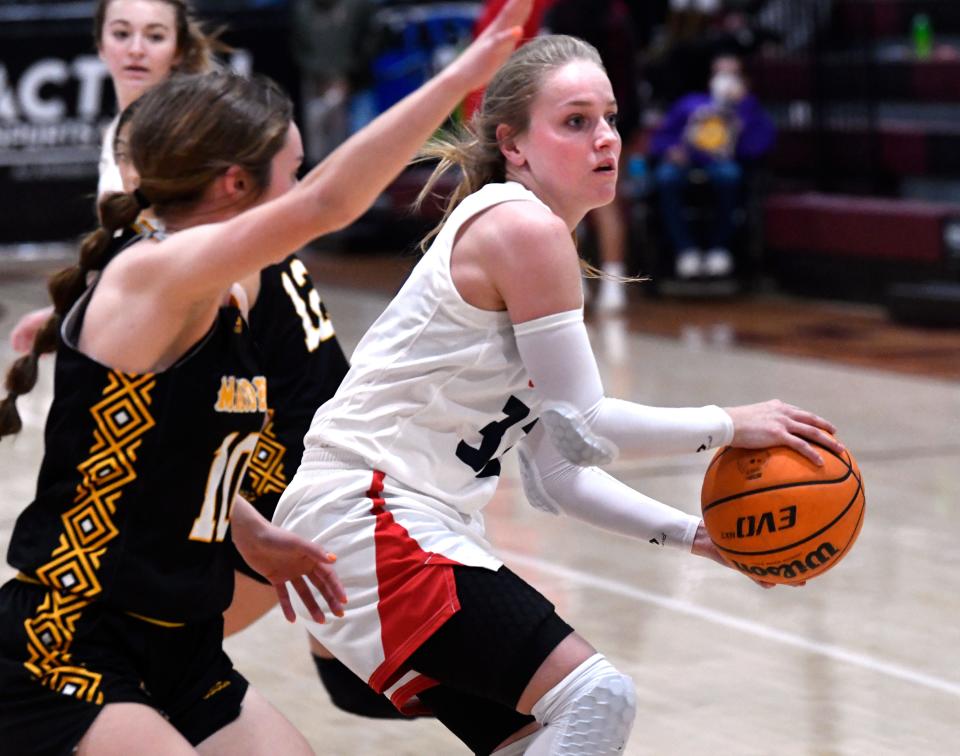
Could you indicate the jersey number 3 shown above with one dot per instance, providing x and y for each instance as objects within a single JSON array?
[
  {"x": 226, "y": 472},
  {"x": 480, "y": 459}
]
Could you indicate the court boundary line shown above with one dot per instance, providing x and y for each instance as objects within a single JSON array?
[{"x": 829, "y": 650}]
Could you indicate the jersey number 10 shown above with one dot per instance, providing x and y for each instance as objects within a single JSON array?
[{"x": 226, "y": 472}]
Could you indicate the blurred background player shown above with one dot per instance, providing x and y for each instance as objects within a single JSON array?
[{"x": 141, "y": 42}]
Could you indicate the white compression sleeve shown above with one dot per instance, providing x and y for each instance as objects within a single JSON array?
[
  {"x": 556, "y": 353},
  {"x": 553, "y": 484}
]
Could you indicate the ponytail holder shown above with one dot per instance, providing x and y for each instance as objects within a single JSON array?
[{"x": 141, "y": 199}]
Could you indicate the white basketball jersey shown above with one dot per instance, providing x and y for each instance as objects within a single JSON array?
[{"x": 437, "y": 390}]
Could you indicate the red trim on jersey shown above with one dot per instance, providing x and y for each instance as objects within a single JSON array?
[{"x": 418, "y": 592}]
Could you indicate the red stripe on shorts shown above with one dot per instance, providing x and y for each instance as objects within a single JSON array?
[
  {"x": 418, "y": 592},
  {"x": 402, "y": 696}
]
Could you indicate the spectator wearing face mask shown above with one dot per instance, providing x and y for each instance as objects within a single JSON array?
[{"x": 720, "y": 133}]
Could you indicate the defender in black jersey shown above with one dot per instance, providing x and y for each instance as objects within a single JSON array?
[
  {"x": 303, "y": 363},
  {"x": 175, "y": 443},
  {"x": 217, "y": 158},
  {"x": 123, "y": 567}
]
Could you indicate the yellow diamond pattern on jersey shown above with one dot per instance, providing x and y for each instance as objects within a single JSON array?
[
  {"x": 120, "y": 419},
  {"x": 265, "y": 473},
  {"x": 49, "y": 635}
]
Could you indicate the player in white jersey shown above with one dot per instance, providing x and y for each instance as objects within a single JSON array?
[{"x": 484, "y": 349}]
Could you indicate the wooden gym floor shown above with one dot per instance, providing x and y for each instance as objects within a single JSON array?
[{"x": 858, "y": 662}]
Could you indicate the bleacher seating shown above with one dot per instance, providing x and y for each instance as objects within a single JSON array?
[
  {"x": 896, "y": 149},
  {"x": 859, "y": 246},
  {"x": 844, "y": 77},
  {"x": 861, "y": 228},
  {"x": 886, "y": 18},
  {"x": 874, "y": 121}
]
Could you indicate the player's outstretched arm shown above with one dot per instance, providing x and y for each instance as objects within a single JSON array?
[
  {"x": 553, "y": 484},
  {"x": 341, "y": 188},
  {"x": 588, "y": 494},
  {"x": 361, "y": 168}
]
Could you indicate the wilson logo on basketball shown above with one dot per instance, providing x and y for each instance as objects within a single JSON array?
[
  {"x": 813, "y": 561},
  {"x": 768, "y": 522},
  {"x": 752, "y": 466}
]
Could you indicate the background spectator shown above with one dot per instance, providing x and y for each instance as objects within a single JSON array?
[{"x": 720, "y": 132}]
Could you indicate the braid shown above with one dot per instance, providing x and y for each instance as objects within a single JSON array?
[
  {"x": 116, "y": 211},
  {"x": 10, "y": 422},
  {"x": 22, "y": 375}
]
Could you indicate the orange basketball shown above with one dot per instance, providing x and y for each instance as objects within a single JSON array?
[{"x": 776, "y": 516}]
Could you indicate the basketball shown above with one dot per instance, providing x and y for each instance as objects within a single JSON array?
[{"x": 775, "y": 516}]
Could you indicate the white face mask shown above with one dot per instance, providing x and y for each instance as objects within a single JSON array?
[{"x": 727, "y": 88}]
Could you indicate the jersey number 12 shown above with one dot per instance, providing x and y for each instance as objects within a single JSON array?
[{"x": 310, "y": 310}]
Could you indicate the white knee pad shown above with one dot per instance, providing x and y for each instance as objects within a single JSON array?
[{"x": 588, "y": 713}]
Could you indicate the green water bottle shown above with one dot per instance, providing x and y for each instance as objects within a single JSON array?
[{"x": 922, "y": 36}]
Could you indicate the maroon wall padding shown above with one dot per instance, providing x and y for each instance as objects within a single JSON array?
[
  {"x": 936, "y": 80},
  {"x": 861, "y": 19},
  {"x": 787, "y": 79},
  {"x": 870, "y": 18},
  {"x": 782, "y": 79},
  {"x": 857, "y": 227},
  {"x": 897, "y": 149},
  {"x": 903, "y": 151}
]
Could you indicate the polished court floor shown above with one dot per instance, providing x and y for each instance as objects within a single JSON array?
[{"x": 864, "y": 660}]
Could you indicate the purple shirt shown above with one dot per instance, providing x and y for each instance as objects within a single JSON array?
[{"x": 712, "y": 131}]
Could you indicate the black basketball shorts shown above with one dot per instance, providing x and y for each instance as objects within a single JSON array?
[
  {"x": 485, "y": 655},
  {"x": 63, "y": 659}
]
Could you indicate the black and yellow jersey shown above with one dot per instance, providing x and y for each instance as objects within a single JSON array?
[
  {"x": 303, "y": 364},
  {"x": 138, "y": 476}
]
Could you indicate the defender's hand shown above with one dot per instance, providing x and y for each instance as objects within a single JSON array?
[{"x": 284, "y": 557}]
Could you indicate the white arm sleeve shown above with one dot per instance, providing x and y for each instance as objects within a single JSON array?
[
  {"x": 554, "y": 485},
  {"x": 589, "y": 428}
]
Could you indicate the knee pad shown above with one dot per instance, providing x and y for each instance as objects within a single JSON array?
[
  {"x": 588, "y": 713},
  {"x": 349, "y": 693}
]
